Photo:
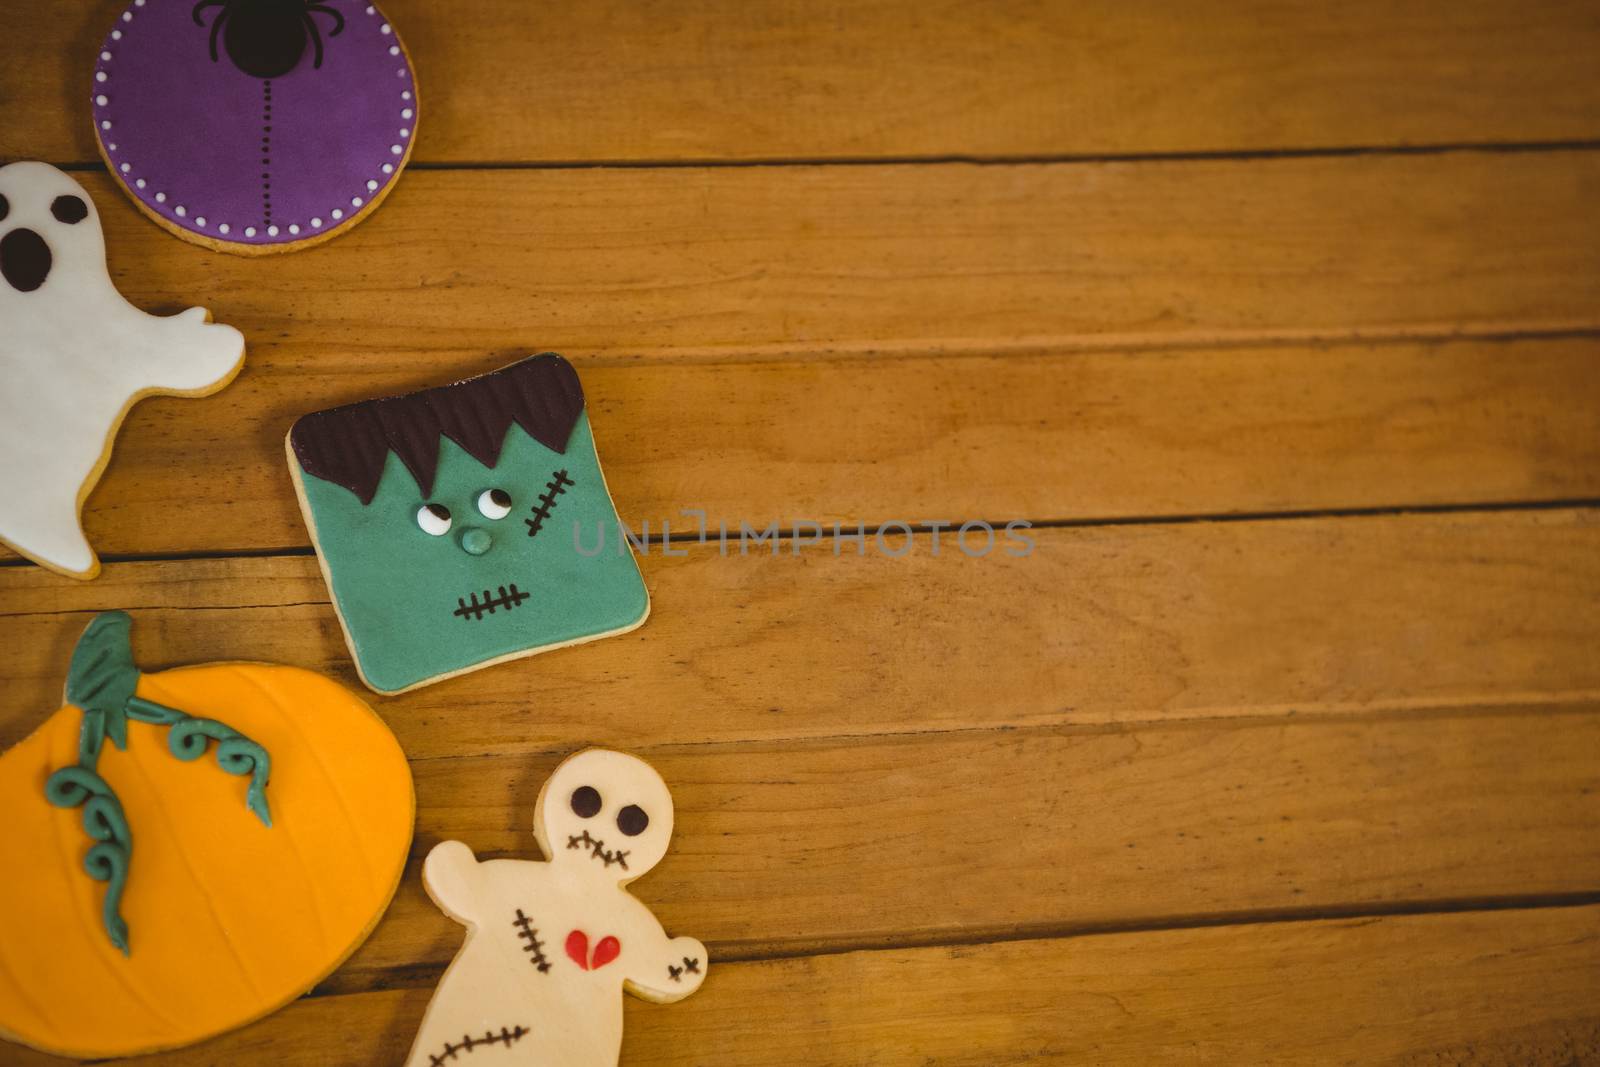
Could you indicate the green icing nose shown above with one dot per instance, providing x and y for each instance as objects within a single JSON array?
[{"x": 476, "y": 541}]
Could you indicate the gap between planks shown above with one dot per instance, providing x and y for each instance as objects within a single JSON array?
[
  {"x": 1036, "y": 347},
  {"x": 998, "y": 160},
  {"x": 793, "y": 538}
]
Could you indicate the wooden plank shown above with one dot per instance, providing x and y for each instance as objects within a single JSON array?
[
  {"x": 624, "y": 80},
  {"x": 977, "y": 834},
  {"x": 735, "y": 261},
  {"x": 1085, "y": 435},
  {"x": 1094, "y": 625},
  {"x": 1499, "y": 987}
]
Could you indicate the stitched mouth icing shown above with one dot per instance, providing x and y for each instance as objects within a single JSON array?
[
  {"x": 509, "y": 597},
  {"x": 597, "y": 849}
]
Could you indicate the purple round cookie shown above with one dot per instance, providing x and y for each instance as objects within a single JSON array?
[{"x": 254, "y": 125}]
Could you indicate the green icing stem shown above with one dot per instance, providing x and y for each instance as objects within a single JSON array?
[
  {"x": 101, "y": 679},
  {"x": 101, "y": 682}
]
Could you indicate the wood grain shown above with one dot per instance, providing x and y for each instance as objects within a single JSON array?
[
  {"x": 1492, "y": 988},
  {"x": 1095, "y": 625},
  {"x": 625, "y": 80},
  {"x": 1084, "y": 435},
  {"x": 978, "y": 834},
  {"x": 873, "y": 259}
]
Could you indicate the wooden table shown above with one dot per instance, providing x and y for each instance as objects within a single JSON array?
[{"x": 1280, "y": 322}]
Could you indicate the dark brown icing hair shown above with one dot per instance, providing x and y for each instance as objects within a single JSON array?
[{"x": 349, "y": 445}]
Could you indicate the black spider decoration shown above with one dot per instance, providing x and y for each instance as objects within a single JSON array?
[{"x": 267, "y": 38}]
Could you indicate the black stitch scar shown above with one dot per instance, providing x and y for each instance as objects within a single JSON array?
[
  {"x": 531, "y": 943},
  {"x": 553, "y": 488},
  {"x": 507, "y": 1036},
  {"x": 597, "y": 849},
  {"x": 689, "y": 966}
]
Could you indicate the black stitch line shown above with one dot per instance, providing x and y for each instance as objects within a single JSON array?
[
  {"x": 553, "y": 488},
  {"x": 266, "y": 152},
  {"x": 468, "y": 1043},
  {"x": 597, "y": 849},
  {"x": 509, "y": 597},
  {"x": 526, "y": 931}
]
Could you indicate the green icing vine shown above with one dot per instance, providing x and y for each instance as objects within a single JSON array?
[
  {"x": 188, "y": 738},
  {"x": 108, "y": 859},
  {"x": 101, "y": 682}
]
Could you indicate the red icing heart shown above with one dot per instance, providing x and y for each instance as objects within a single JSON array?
[{"x": 607, "y": 950}]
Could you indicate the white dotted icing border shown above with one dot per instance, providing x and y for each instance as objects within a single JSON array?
[{"x": 407, "y": 114}]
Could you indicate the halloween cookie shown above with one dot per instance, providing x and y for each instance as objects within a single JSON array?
[
  {"x": 448, "y": 521},
  {"x": 551, "y": 946},
  {"x": 76, "y": 356},
  {"x": 188, "y": 850},
  {"x": 254, "y": 126}
]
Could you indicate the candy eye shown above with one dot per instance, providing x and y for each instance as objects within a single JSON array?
[
  {"x": 434, "y": 519},
  {"x": 494, "y": 503}
]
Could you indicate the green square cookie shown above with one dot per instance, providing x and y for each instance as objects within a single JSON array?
[{"x": 457, "y": 526}]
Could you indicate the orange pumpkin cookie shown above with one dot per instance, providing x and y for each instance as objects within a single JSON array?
[{"x": 187, "y": 851}]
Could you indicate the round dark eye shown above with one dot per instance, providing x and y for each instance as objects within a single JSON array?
[
  {"x": 585, "y": 801},
  {"x": 632, "y": 820},
  {"x": 69, "y": 209},
  {"x": 5, "y": 207}
]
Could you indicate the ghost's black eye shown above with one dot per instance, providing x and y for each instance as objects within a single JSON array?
[
  {"x": 69, "y": 209},
  {"x": 585, "y": 801},
  {"x": 632, "y": 820},
  {"x": 5, "y": 207}
]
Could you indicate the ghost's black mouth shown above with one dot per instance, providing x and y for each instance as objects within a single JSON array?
[
  {"x": 597, "y": 849},
  {"x": 508, "y": 597},
  {"x": 24, "y": 260}
]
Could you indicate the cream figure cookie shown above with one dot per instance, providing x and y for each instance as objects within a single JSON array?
[
  {"x": 551, "y": 946},
  {"x": 74, "y": 357}
]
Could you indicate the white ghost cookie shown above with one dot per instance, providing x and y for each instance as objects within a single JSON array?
[
  {"x": 551, "y": 946},
  {"x": 74, "y": 357}
]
